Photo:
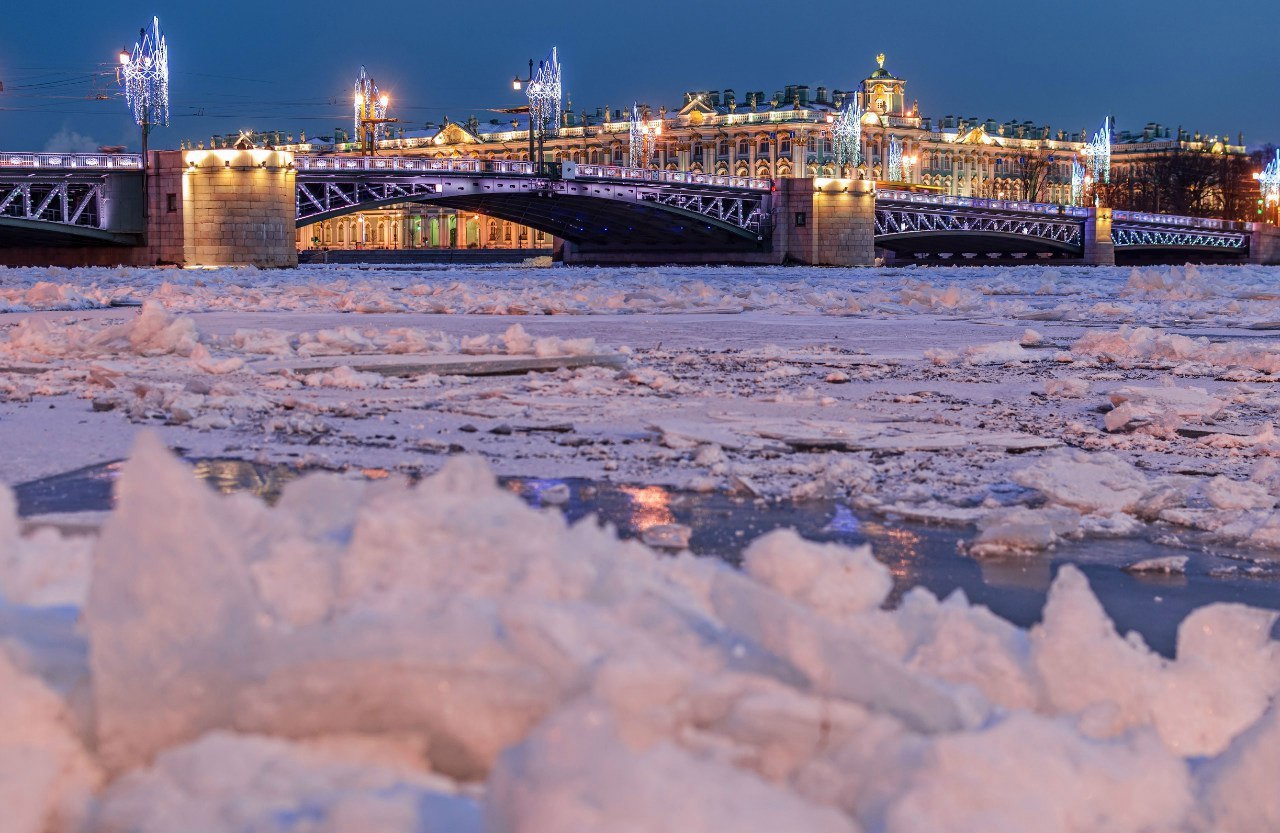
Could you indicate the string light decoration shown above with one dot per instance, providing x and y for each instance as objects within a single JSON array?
[
  {"x": 642, "y": 143},
  {"x": 544, "y": 95},
  {"x": 1269, "y": 182},
  {"x": 1077, "y": 182},
  {"x": 895, "y": 160},
  {"x": 1099, "y": 153},
  {"x": 144, "y": 75},
  {"x": 848, "y": 136},
  {"x": 370, "y": 108},
  {"x": 637, "y": 141}
]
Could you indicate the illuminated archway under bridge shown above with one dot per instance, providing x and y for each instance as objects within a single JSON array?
[{"x": 595, "y": 208}]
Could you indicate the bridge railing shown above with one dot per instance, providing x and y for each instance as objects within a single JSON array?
[
  {"x": 387, "y": 163},
  {"x": 678, "y": 177},
  {"x": 73, "y": 161},
  {"x": 1047, "y": 209},
  {"x": 1207, "y": 223},
  {"x": 339, "y": 164}
]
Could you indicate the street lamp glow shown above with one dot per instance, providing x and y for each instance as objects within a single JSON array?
[{"x": 515, "y": 84}]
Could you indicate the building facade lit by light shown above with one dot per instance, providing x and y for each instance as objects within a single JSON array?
[{"x": 871, "y": 131}]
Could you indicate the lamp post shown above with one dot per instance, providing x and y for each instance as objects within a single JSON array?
[
  {"x": 370, "y": 112},
  {"x": 368, "y": 107},
  {"x": 1269, "y": 190},
  {"x": 543, "y": 91},
  {"x": 144, "y": 75},
  {"x": 518, "y": 83}
]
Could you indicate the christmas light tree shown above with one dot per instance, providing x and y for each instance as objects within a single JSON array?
[
  {"x": 144, "y": 76},
  {"x": 544, "y": 95},
  {"x": 848, "y": 137}
]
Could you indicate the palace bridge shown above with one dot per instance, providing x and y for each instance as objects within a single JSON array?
[{"x": 243, "y": 206}]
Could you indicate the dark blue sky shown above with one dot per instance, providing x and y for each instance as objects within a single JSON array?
[{"x": 290, "y": 66}]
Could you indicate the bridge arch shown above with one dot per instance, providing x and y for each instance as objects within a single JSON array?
[
  {"x": 20, "y": 232},
  {"x": 592, "y": 217},
  {"x": 935, "y": 242}
]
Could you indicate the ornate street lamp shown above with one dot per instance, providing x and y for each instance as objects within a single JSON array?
[
  {"x": 1098, "y": 152},
  {"x": 847, "y": 132},
  {"x": 543, "y": 89},
  {"x": 1269, "y": 189},
  {"x": 143, "y": 74},
  {"x": 370, "y": 113}
]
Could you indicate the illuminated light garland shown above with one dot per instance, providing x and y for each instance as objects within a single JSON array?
[
  {"x": 848, "y": 136},
  {"x": 1098, "y": 152},
  {"x": 1077, "y": 182},
  {"x": 1269, "y": 181},
  {"x": 544, "y": 95},
  {"x": 144, "y": 75},
  {"x": 895, "y": 160},
  {"x": 642, "y": 140},
  {"x": 369, "y": 104},
  {"x": 636, "y": 158}
]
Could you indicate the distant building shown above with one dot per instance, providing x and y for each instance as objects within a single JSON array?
[{"x": 784, "y": 134}]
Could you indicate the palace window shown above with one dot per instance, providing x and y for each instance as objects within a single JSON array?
[
  {"x": 784, "y": 147},
  {"x": 764, "y": 147},
  {"x": 724, "y": 148},
  {"x": 743, "y": 148}
]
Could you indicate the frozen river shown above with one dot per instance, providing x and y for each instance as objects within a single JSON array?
[{"x": 405, "y": 639}]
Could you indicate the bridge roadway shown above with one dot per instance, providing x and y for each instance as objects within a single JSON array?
[{"x": 95, "y": 199}]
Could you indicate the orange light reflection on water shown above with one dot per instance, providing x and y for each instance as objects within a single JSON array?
[
  {"x": 650, "y": 505},
  {"x": 898, "y": 549}
]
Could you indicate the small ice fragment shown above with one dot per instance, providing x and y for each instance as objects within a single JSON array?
[{"x": 667, "y": 536}]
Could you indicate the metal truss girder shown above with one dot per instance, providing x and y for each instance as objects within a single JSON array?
[
  {"x": 59, "y": 202},
  {"x": 348, "y": 190},
  {"x": 351, "y": 192},
  {"x": 901, "y": 220},
  {"x": 1179, "y": 238},
  {"x": 745, "y": 212}
]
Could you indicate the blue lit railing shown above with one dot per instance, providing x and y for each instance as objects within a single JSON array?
[
  {"x": 1047, "y": 209},
  {"x": 73, "y": 161}
]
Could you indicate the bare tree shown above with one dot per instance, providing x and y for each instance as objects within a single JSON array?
[{"x": 1031, "y": 172}]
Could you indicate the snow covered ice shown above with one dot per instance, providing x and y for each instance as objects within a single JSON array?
[
  {"x": 443, "y": 657},
  {"x": 368, "y": 654}
]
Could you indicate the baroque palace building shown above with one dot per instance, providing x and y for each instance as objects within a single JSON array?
[{"x": 788, "y": 133}]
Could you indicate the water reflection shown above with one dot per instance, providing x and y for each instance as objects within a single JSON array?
[
  {"x": 723, "y": 525},
  {"x": 652, "y": 507},
  {"x": 898, "y": 548},
  {"x": 229, "y": 476}
]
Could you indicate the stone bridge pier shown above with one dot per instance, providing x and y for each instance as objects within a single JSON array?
[
  {"x": 1099, "y": 250},
  {"x": 237, "y": 208},
  {"x": 1264, "y": 244},
  {"x": 825, "y": 222},
  {"x": 203, "y": 208}
]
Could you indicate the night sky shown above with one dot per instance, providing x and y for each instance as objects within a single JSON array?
[{"x": 258, "y": 65}]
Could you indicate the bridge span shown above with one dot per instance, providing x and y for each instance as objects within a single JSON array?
[{"x": 243, "y": 206}]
